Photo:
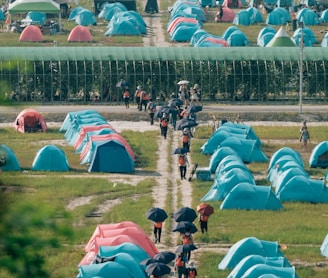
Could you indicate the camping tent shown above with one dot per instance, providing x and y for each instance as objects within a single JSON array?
[
  {"x": 308, "y": 17},
  {"x": 259, "y": 270},
  {"x": 218, "y": 155},
  {"x": 281, "y": 39},
  {"x": 29, "y": 120},
  {"x": 85, "y": 17},
  {"x": 109, "y": 10},
  {"x": 248, "y": 196},
  {"x": 25, "y": 6},
  {"x": 319, "y": 155},
  {"x": 249, "y": 246},
  {"x": 111, "y": 156},
  {"x": 50, "y": 158},
  {"x": 228, "y": 15},
  {"x": 72, "y": 116},
  {"x": 324, "y": 247},
  {"x": 279, "y": 16},
  {"x": 8, "y": 159},
  {"x": 80, "y": 34},
  {"x": 31, "y": 33},
  {"x": 282, "y": 152},
  {"x": 251, "y": 260}
]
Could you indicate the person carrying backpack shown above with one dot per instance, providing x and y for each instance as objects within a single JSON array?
[
  {"x": 151, "y": 107},
  {"x": 191, "y": 271},
  {"x": 183, "y": 162},
  {"x": 163, "y": 122},
  {"x": 187, "y": 238},
  {"x": 158, "y": 231},
  {"x": 180, "y": 265},
  {"x": 203, "y": 221},
  {"x": 186, "y": 139},
  {"x": 126, "y": 97}
]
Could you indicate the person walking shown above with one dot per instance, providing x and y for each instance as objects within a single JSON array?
[
  {"x": 191, "y": 270},
  {"x": 163, "y": 122},
  {"x": 203, "y": 221},
  {"x": 186, "y": 139},
  {"x": 144, "y": 98},
  {"x": 180, "y": 265},
  {"x": 183, "y": 162},
  {"x": 158, "y": 231},
  {"x": 126, "y": 97},
  {"x": 151, "y": 107},
  {"x": 304, "y": 138},
  {"x": 137, "y": 96},
  {"x": 187, "y": 238}
]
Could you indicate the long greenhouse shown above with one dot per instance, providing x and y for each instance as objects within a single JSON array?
[{"x": 224, "y": 74}]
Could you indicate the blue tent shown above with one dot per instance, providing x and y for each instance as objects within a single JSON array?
[
  {"x": 248, "y": 196},
  {"x": 108, "y": 269},
  {"x": 265, "y": 39},
  {"x": 308, "y": 17},
  {"x": 74, "y": 13},
  {"x": 72, "y": 116},
  {"x": 2, "y": 16},
  {"x": 259, "y": 270},
  {"x": 279, "y": 16},
  {"x": 265, "y": 30},
  {"x": 285, "y": 151},
  {"x": 308, "y": 37},
  {"x": 228, "y": 32},
  {"x": 50, "y": 158},
  {"x": 281, "y": 179},
  {"x": 137, "y": 252},
  {"x": 197, "y": 11},
  {"x": 110, "y": 156},
  {"x": 303, "y": 189},
  {"x": 126, "y": 23},
  {"x": 9, "y": 159},
  {"x": 242, "y": 18},
  {"x": 246, "y": 148},
  {"x": 109, "y": 10},
  {"x": 218, "y": 155},
  {"x": 324, "y": 16},
  {"x": 226, "y": 182},
  {"x": 324, "y": 247},
  {"x": 319, "y": 155},
  {"x": 227, "y": 163},
  {"x": 255, "y": 15},
  {"x": 85, "y": 18},
  {"x": 249, "y": 246},
  {"x": 184, "y": 31},
  {"x": 252, "y": 260},
  {"x": 35, "y": 18}
]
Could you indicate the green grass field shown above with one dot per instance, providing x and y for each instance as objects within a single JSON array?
[{"x": 301, "y": 226}]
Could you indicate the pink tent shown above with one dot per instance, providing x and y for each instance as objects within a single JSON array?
[
  {"x": 106, "y": 137},
  {"x": 29, "y": 120},
  {"x": 85, "y": 129},
  {"x": 80, "y": 34},
  {"x": 178, "y": 20},
  {"x": 100, "y": 229},
  {"x": 31, "y": 33},
  {"x": 228, "y": 15},
  {"x": 232, "y": 4}
]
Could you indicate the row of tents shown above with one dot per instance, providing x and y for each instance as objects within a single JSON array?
[
  {"x": 97, "y": 142},
  {"x": 233, "y": 145}
]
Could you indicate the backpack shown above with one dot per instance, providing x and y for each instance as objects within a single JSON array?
[
  {"x": 185, "y": 138},
  {"x": 152, "y": 107},
  {"x": 186, "y": 239},
  {"x": 191, "y": 273},
  {"x": 164, "y": 122},
  {"x": 182, "y": 160},
  {"x": 179, "y": 262}
]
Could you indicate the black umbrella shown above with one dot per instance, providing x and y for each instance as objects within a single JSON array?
[
  {"x": 164, "y": 257},
  {"x": 181, "y": 151},
  {"x": 174, "y": 102},
  {"x": 186, "y": 123},
  {"x": 163, "y": 109},
  {"x": 149, "y": 261},
  {"x": 185, "y": 248},
  {"x": 185, "y": 226},
  {"x": 158, "y": 269},
  {"x": 156, "y": 214},
  {"x": 185, "y": 214},
  {"x": 125, "y": 84},
  {"x": 194, "y": 109}
]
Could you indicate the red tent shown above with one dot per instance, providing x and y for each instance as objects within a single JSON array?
[
  {"x": 30, "y": 120},
  {"x": 80, "y": 34},
  {"x": 31, "y": 33},
  {"x": 228, "y": 15}
]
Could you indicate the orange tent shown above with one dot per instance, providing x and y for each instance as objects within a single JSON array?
[
  {"x": 80, "y": 34},
  {"x": 31, "y": 33}
]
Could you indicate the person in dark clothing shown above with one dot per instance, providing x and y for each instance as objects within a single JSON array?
[{"x": 151, "y": 7}]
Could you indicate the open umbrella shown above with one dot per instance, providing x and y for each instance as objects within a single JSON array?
[
  {"x": 185, "y": 214},
  {"x": 194, "y": 109},
  {"x": 158, "y": 269},
  {"x": 148, "y": 261},
  {"x": 156, "y": 214},
  {"x": 186, "y": 123},
  {"x": 183, "y": 82},
  {"x": 181, "y": 151},
  {"x": 205, "y": 209},
  {"x": 185, "y": 248},
  {"x": 174, "y": 102},
  {"x": 164, "y": 257},
  {"x": 185, "y": 226}
]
